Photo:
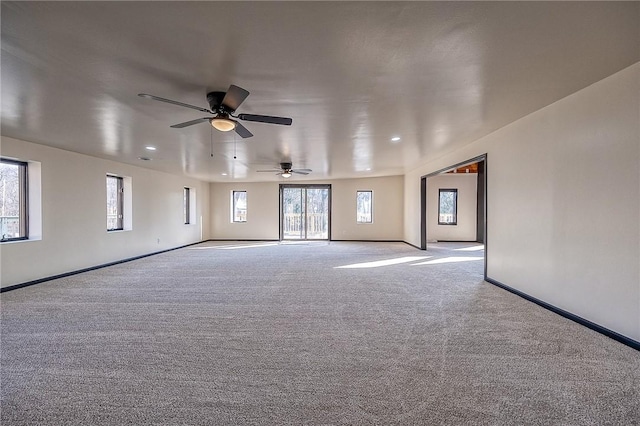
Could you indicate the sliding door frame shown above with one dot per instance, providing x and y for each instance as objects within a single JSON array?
[{"x": 304, "y": 186}]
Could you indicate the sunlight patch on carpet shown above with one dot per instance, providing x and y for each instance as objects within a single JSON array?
[
  {"x": 452, "y": 259},
  {"x": 386, "y": 262}
]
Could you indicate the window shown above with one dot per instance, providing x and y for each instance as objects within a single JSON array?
[
  {"x": 13, "y": 200},
  {"x": 364, "y": 204},
  {"x": 448, "y": 207},
  {"x": 186, "y": 202},
  {"x": 239, "y": 206},
  {"x": 115, "y": 203}
]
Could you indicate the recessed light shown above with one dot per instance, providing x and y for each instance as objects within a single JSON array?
[
  {"x": 368, "y": 169},
  {"x": 395, "y": 139},
  {"x": 224, "y": 174},
  {"x": 150, "y": 148},
  {"x": 144, "y": 158}
]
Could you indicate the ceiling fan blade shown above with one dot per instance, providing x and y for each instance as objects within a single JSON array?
[
  {"x": 234, "y": 97},
  {"x": 169, "y": 101},
  {"x": 190, "y": 123},
  {"x": 266, "y": 119},
  {"x": 243, "y": 131},
  {"x": 300, "y": 172},
  {"x": 269, "y": 171}
]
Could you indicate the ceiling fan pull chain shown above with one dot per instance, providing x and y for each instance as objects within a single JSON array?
[
  {"x": 234, "y": 146},
  {"x": 211, "y": 142}
]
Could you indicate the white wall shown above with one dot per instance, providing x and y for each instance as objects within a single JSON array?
[
  {"x": 74, "y": 234},
  {"x": 263, "y": 209},
  {"x": 467, "y": 186},
  {"x": 388, "y": 203},
  {"x": 564, "y": 202}
]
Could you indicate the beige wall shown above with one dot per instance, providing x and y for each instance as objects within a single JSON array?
[
  {"x": 263, "y": 209},
  {"x": 388, "y": 202},
  {"x": 564, "y": 202},
  {"x": 465, "y": 229},
  {"x": 74, "y": 234}
]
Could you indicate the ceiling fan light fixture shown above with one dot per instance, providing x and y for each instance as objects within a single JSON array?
[
  {"x": 285, "y": 174},
  {"x": 223, "y": 124}
]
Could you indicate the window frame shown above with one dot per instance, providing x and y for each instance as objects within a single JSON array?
[
  {"x": 186, "y": 210},
  {"x": 358, "y": 192},
  {"x": 119, "y": 203},
  {"x": 233, "y": 207},
  {"x": 455, "y": 205},
  {"x": 23, "y": 199}
]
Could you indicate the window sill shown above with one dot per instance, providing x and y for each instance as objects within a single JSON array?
[{"x": 26, "y": 240}]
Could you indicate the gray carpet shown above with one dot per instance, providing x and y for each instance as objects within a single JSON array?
[{"x": 313, "y": 333}]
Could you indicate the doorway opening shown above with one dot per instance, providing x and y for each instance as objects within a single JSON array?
[
  {"x": 435, "y": 208},
  {"x": 304, "y": 212}
]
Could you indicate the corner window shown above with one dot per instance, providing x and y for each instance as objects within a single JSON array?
[
  {"x": 13, "y": 200},
  {"x": 448, "y": 207},
  {"x": 115, "y": 203},
  {"x": 239, "y": 206},
  {"x": 186, "y": 203},
  {"x": 364, "y": 207}
]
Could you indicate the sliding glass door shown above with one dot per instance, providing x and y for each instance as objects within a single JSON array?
[{"x": 304, "y": 212}]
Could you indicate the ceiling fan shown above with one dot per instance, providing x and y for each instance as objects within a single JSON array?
[
  {"x": 286, "y": 170},
  {"x": 223, "y": 105}
]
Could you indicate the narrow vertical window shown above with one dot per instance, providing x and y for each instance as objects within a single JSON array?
[
  {"x": 115, "y": 203},
  {"x": 364, "y": 207},
  {"x": 186, "y": 202},
  {"x": 448, "y": 207},
  {"x": 13, "y": 200},
  {"x": 239, "y": 208}
]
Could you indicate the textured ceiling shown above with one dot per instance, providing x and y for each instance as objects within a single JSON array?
[{"x": 352, "y": 75}]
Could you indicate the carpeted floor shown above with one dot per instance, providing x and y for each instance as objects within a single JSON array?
[{"x": 308, "y": 333}]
